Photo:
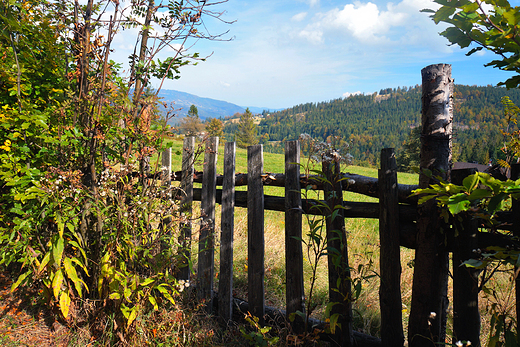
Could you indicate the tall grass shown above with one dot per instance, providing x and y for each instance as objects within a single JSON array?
[{"x": 363, "y": 245}]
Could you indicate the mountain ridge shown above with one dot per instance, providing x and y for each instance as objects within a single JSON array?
[{"x": 207, "y": 107}]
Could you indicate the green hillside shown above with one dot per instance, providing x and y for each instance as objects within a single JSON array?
[{"x": 385, "y": 119}]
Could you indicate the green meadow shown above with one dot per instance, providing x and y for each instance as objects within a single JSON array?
[{"x": 363, "y": 242}]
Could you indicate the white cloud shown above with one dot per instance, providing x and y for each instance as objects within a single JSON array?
[
  {"x": 299, "y": 17},
  {"x": 371, "y": 24}
]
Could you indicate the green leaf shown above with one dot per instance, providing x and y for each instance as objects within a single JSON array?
[
  {"x": 470, "y": 182},
  {"x": 73, "y": 275},
  {"x": 20, "y": 279},
  {"x": 153, "y": 302},
  {"x": 57, "y": 250},
  {"x": 334, "y": 323},
  {"x": 458, "y": 203},
  {"x": 44, "y": 262}
]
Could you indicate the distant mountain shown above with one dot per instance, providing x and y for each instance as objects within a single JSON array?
[{"x": 208, "y": 108}]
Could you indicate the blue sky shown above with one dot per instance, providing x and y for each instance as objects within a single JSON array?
[{"x": 288, "y": 52}]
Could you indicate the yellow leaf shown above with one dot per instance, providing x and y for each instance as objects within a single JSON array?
[{"x": 65, "y": 304}]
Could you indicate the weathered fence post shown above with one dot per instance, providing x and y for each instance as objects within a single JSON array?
[
  {"x": 166, "y": 167},
  {"x": 515, "y": 174},
  {"x": 339, "y": 271},
  {"x": 188, "y": 158},
  {"x": 225, "y": 284},
  {"x": 206, "y": 264},
  {"x": 255, "y": 231},
  {"x": 429, "y": 293},
  {"x": 390, "y": 256},
  {"x": 466, "y": 316},
  {"x": 295, "y": 295}
]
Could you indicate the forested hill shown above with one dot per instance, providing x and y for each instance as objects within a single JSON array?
[{"x": 385, "y": 119}]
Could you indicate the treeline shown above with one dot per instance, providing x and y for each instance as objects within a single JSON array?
[{"x": 385, "y": 119}]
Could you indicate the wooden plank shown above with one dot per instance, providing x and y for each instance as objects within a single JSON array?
[
  {"x": 225, "y": 284},
  {"x": 255, "y": 231},
  {"x": 427, "y": 321},
  {"x": 206, "y": 261},
  {"x": 466, "y": 315},
  {"x": 357, "y": 183},
  {"x": 353, "y": 209},
  {"x": 186, "y": 196},
  {"x": 390, "y": 259},
  {"x": 295, "y": 294},
  {"x": 337, "y": 250}
]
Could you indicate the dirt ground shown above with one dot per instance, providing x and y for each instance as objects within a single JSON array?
[{"x": 24, "y": 323}]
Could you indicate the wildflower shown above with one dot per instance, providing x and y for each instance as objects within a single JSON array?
[
  {"x": 433, "y": 315},
  {"x": 458, "y": 344}
]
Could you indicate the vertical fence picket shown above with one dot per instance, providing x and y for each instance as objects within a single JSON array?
[
  {"x": 295, "y": 294},
  {"x": 166, "y": 167},
  {"x": 255, "y": 231},
  {"x": 225, "y": 283},
  {"x": 466, "y": 316},
  {"x": 390, "y": 264},
  {"x": 186, "y": 192},
  {"x": 515, "y": 174},
  {"x": 339, "y": 272},
  {"x": 206, "y": 260}
]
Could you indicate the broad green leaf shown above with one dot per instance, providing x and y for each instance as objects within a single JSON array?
[
  {"x": 57, "y": 250},
  {"x": 73, "y": 275},
  {"x": 334, "y": 323},
  {"x": 20, "y": 279},
  {"x": 478, "y": 194},
  {"x": 153, "y": 302},
  {"x": 458, "y": 203},
  {"x": 44, "y": 262},
  {"x": 470, "y": 182}
]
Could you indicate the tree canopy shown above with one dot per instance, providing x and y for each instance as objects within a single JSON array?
[{"x": 247, "y": 133}]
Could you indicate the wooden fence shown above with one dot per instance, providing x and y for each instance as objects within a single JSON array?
[{"x": 401, "y": 223}]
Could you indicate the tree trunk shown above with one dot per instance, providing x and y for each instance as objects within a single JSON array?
[{"x": 429, "y": 293}]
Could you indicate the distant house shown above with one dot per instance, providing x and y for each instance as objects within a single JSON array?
[
  {"x": 494, "y": 170},
  {"x": 462, "y": 165}
]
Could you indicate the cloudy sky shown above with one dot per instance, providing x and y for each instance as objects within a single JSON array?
[{"x": 288, "y": 52}]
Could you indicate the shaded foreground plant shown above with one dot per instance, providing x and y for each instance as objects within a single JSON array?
[{"x": 82, "y": 216}]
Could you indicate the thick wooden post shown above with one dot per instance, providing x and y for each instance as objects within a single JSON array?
[
  {"x": 390, "y": 256},
  {"x": 206, "y": 264},
  {"x": 339, "y": 270},
  {"x": 186, "y": 192},
  {"x": 429, "y": 293},
  {"x": 225, "y": 284},
  {"x": 466, "y": 316},
  {"x": 295, "y": 294},
  {"x": 166, "y": 167},
  {"x": 255, "y": 231},
  {"x": 515, "y": 174}
]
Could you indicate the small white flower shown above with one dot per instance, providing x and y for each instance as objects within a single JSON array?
[
  {"x": 458, "y": 344},
  {"x": 125, "y": 214},
  {"x": 468, "y": 343},
  {"x": 433, "y": 315}
]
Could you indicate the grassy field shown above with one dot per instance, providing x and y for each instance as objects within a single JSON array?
[
  {"x": 363, "y": 243},
  {"x": 363, "y": 240}
]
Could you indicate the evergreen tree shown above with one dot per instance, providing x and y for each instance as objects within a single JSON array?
[
  {"x": 247, "y": 133},
  {"x": 411, "y": 153},
  {"x": 191, "y": 125}
]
